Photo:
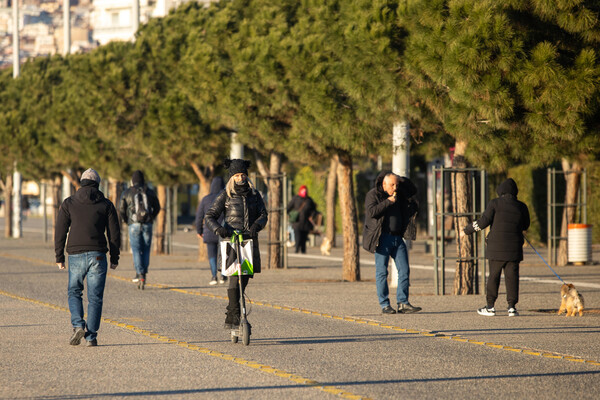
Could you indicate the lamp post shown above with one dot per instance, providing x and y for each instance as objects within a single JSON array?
[{"x": 16, "y": 192}]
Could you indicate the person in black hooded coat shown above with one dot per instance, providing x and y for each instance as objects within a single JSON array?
[
  {"x": 210, "y": 239},
  {"x": 507, "y": 218}
]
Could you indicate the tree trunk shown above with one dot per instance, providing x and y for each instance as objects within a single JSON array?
[
  {"x": 204, "y": 179},
  {"x": 262, "y": 169},
  {"x": 72, "y": 179},
  {"x": 464, "y": 278},
  {"x": 56, "y": 197},
  {"x": 351, "y": 262},
  {"x": 8, "y": 187},
  {"x": 114, "y": 191},
  {"x": 330, "y": 207},
  {"x": 275, "y": 210},
  {"x": 161, "y": 219},
  {"x": 573, "y": 180}
]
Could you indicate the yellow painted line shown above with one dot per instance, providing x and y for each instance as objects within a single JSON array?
[
  {"x": 228, "y": 357},
  {"x": 424, "y": 333}
]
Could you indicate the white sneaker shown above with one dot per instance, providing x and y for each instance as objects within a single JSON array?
[
  {"x": 512, "y": 312},
  {"x": 213, "y": 281},
  {"x": 488, "y": 312}
]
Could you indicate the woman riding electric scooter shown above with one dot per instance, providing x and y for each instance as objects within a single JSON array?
[{"x": 245, "y": 212}]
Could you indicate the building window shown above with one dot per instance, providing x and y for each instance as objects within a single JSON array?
[{"x": 114, "y": 19}]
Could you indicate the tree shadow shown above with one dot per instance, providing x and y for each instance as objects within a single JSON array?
[{"x": 232, "y": 390}]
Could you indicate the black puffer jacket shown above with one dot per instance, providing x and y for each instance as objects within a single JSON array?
[
  {"x": 508, "y": 218},
  {"x": 376, "y": 204},
  {"x": 87, "y": 215},
  {"x": 127, "y": 203},
  {"x": 241, "y": 212}
]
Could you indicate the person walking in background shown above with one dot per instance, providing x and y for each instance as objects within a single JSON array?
[
  {"x": 389, "y": 210},
  {"x": 244, "y": 211},
  {"x": 210, "y": 239},
  {"x": 86, "y": 217},
  {"x": 507, "y": 218},
  {"x": 139, "y": 207},
  {"x": 301, "y": 209}
]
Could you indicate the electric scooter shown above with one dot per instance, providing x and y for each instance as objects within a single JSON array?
[{"x": 243, "y": 330}]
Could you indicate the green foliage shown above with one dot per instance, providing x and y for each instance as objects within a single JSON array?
[
  {"x": 593, "y": 199},
  {"x": 558, "y": 81},
  {"x": 518, "y": 79},
  {"x": 459, "y": 55}
]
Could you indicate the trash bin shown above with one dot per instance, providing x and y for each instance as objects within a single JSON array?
[{"x": 579, "y": 240}]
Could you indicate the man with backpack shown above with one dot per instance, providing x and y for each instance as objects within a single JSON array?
[{"x": 139, "y": 207}]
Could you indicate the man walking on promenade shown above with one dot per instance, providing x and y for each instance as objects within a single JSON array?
[
  {"x": 139, "y": 207},
  {"x": 388, "y": 212},
  {"x": 86, "y": 216}
]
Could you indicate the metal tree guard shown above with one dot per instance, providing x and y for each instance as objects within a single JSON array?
[
  {"x": 439, "y": 243},
  {"x": 554, "y": 237}
]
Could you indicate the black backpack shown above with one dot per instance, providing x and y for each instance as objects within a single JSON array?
[{"x": 141, "y": 209}]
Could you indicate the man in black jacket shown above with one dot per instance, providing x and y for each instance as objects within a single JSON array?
[
  {"x": 139, "y": 207},
  {"x": 389, "y": 209},
  {"x": 86, "y": 216},
  {"x": 508, "y": 218}
]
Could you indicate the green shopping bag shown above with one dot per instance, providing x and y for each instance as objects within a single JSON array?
[{"x": 230, "y": 259}]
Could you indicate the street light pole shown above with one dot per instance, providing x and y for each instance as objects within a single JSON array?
[
  {"x": 67, "y": 26},
  {"x": 16, "y": 193},
  {"x": 136, "y": 16},
  {"x": 16, "y": 65},
  {"x": 400, "y": 166}
]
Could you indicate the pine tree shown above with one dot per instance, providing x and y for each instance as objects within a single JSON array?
[
  {"x": 458, "y": 56},
  {"x": 559, "y": 86}
]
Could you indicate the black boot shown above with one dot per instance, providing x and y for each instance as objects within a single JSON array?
[{"x": 232, "y": 320}]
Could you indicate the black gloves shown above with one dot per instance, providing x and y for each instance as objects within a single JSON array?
[
  {"x": 254, "y": 229},
  {"x": 223, "y": 232},
  {"x": 226, "y": 233}
]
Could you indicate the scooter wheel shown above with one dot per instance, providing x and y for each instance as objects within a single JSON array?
[{"x": 246, "y": 334}]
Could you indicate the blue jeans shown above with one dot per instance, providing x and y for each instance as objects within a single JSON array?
[
  {"x": 212, "y": 249},
  {"x": 92, "y": 265},
  {"x": 140, "y": 239},
  {"x": 394, "y": 247}
]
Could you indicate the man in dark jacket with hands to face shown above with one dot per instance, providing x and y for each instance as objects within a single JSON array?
[{"x": 389, "y": 208}]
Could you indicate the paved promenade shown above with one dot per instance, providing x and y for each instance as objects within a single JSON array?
[{"x": 313, "y": 337}]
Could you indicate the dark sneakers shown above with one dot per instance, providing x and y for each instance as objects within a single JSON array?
[
  {"x": 91, "y": 343},
  {"x": 78, "y": 334},
  {"x": 388, "y": 310},
  {"x": 407, "y": 308}
]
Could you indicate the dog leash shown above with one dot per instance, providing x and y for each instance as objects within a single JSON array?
[{"x": 536, "y": 252}]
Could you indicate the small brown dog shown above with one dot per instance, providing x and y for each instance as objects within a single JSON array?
[{"x": 572, "y": 301}]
